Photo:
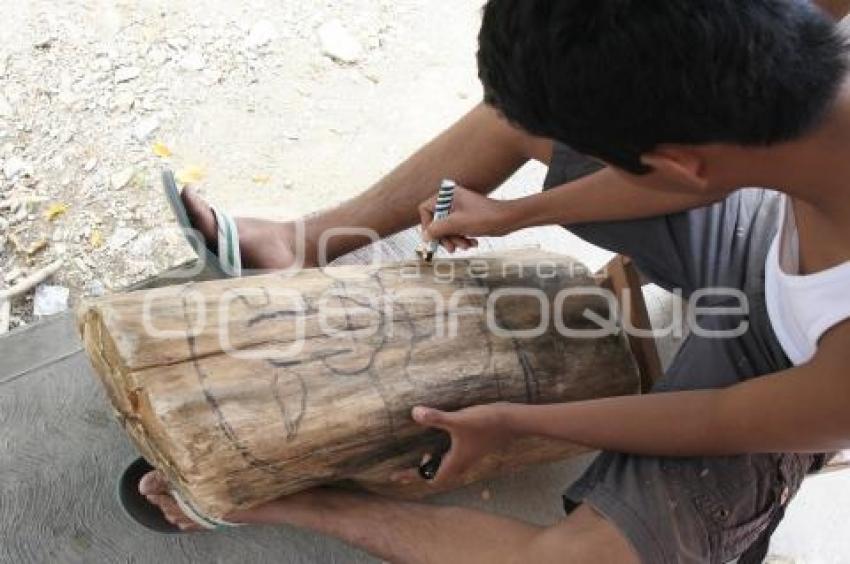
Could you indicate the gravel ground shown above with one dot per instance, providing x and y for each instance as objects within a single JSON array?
[{"x": 276, "y": 109}]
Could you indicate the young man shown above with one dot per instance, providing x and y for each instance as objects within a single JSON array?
[{"x": 687, "y": 101}]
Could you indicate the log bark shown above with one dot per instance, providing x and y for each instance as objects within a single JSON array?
[{"x": 245, "y": 390}]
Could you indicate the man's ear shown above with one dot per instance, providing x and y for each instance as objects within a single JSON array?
[{"x": 681, "y": 165}]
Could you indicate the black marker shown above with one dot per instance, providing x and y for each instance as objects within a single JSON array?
[{"x": 445, "y": 202}]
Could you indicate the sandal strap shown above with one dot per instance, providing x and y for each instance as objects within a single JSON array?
[
  {"x": 199, "y": 518},
  {"x": 229, "y": 252}
]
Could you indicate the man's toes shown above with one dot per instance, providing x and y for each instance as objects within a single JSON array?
[
  {"x": 166, "y": 503},
  {"x": 200, "y": 214},
  {"x": 153, "y": 483},
  {"x": 168, "y": 507}
]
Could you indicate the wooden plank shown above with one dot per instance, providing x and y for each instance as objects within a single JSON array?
[{"x": 621, "y": 277}]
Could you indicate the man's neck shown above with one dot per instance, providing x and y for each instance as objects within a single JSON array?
[
  {"x": 815, "y": 172},
  {"x": 816, "y": 168}
]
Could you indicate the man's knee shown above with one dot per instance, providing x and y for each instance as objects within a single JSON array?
[{"x": 584, "y": 536}]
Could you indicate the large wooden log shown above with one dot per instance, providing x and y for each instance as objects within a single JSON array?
[{"x": 245, "y": 390}]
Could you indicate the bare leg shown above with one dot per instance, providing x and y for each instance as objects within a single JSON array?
[
  {"x": 480, "y": 152},
  {"x": 418, "y": 533}
]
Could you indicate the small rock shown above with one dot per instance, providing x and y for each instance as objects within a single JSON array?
[
  {"x": 13, "y": 275},
  {"x": 121, "y": 179},
  {"x": 121, "y": 237},
  {"x": 90, "y": 164},
  {"x": 143, "y": 246},
  {"x": 145, "y": 128},
  {"x": 261, "y": 35},
  {"x": 126, "y": 74},
  {"x": 50, "y": 300},
  {"x": 6, "y": 109},
  {"x": 338, "y": 44},
  {"x": 213, "y": 77},
  {"x": 193, "y": 61},
  {"x": 95, "y": 289},
  {"x": 46, "y": 42},
  {"x": 177, "y": 43},
  {"x": 124, "y": 101},
  {"x": 15, "y": 167}
]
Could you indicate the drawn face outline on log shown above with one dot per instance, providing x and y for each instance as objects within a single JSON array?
[{"x": 274, "y": 295}]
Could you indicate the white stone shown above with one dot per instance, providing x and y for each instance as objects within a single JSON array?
[
  {"x": 177, "y": 43},
  {"x": 15, "y": 167},
  {"x": 14, "y": 275},
  {"x": 6, "y": 109},
  {"x": 90, "y": 164},
  {"x": 145, "y": 128},
  {"x": 126, "y": 74},
  {"x": 338, "y": 44},
  {"x": 124, "y": 101},
  {"x": 121, "y": 237},
  {"x": 50, "y": 300},
  {"x": 261, "y": 35},
  {"x": 193, "y": 61},
  {"x": 121, "y": 179},
  {"x": 95, "y": 289},
  {"x": 142, "y": 247}
]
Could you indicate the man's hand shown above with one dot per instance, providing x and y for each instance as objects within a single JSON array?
[
  {"x": 475, "y": 433},
  {"x": 473, "y": 215}
]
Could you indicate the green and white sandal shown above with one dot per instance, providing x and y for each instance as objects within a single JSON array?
[{"x": 226, "y": 262}]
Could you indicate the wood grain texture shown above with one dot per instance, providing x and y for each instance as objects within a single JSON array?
[{"x": 236, "y": 426}]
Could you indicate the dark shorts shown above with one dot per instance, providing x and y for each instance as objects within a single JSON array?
[{"x": 703, "y": 509}]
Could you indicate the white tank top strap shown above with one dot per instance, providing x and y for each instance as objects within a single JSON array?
[{"x": 802, "y": 308}]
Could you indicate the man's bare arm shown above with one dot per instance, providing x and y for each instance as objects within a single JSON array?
[
  {"x": 481, "y": 151},
  {"x": 799, "y": 410},
  {"x": 603, "y": 196}
]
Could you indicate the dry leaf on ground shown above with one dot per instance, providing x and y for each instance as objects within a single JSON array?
[
  {"x": 96, "y": 239},
  {"x": 55, "y": 210},
  {"x": 190, "y": 175},
  {"x": 161, "y": 150}
]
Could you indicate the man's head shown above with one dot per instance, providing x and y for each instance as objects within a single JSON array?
[{"x": 637, "y": 83}]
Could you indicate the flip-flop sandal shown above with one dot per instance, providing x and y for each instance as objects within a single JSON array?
[
  {"x": 227, "y": 262},
  {"x": 139, "y": 509}
]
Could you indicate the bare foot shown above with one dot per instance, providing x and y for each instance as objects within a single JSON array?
[
  {"x": 265, "y": 245},
  {"x": 155, "y": 488}
]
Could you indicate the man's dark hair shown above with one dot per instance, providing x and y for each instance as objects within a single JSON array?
[{"x": 616, "y": 78}]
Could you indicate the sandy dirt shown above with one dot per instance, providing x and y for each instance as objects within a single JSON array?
[{"x": 278, "y": 116}]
